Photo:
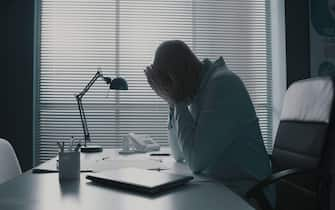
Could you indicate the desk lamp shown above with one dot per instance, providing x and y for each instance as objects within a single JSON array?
[{"x": 115, "y": 84}]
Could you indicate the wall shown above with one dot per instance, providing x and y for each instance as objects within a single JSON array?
[
  {"x": 3, "y": 83},
  {"x": 279, "y": 82},
  {"x": 297, "y": 40},
  {"x": 16, "y": 115}
]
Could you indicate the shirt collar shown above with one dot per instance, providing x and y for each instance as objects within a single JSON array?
[{"x": 207, "y": 68}]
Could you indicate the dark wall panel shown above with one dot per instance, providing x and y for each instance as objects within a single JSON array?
[
  {"x": 297, "y": 40},
  {"x": 19, "y": 74},
  {"x": 3, "y": 69}
]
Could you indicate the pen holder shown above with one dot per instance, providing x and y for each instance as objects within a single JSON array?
[{"x": 69, "y": 165}]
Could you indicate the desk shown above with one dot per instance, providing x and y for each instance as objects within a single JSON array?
[{"x": 44, "y": 191}]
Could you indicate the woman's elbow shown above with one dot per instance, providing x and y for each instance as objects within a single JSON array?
[{"x": 194, "y": 166}]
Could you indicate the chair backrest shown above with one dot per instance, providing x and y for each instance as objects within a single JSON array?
[
  {"x": 9, "y": 164},
  {"x": 304, "y": 123},
  {"x": 302, "y": 139}
]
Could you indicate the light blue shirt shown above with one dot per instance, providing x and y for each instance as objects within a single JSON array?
[{"x": 218, "y": 133}]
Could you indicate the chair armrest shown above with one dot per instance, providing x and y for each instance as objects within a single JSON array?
[{"x": 257, "y": 193}]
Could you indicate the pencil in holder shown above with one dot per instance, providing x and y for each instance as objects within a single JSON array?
[{"x": 69, "y": 165}]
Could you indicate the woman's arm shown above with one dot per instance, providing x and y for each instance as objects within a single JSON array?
[{"x": 173, "y": 139}]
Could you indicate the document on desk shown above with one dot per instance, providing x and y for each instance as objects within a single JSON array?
[{"x": 101, "y": 165}]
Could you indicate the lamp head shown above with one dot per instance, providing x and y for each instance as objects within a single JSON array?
[{"x": 116, "y": 84}]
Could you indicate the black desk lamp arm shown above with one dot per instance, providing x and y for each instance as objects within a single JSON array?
[{"x": 81, "y": 108}]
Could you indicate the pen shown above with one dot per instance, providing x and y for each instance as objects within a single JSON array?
[
  {"x": 71, "y": 145},
  {"x": 159, "y": 154},
  {"x": 77, "y": 147},
  {"x": 105, "y": 158},
  {"x": 63, "y": 145},
  {"x": 59, "y": 146},
  {"x": 156, "y": 169}
]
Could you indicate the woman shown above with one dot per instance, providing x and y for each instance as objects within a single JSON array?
[{"x": 212, "y": 117}]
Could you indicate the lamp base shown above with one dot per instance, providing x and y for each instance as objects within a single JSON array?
[{"x": 91, "y": 149}]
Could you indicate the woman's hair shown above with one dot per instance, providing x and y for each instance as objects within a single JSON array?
[{"x": 176, "y": 69}]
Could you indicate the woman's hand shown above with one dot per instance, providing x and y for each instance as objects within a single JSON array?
[{"x": 164, "y": 89}]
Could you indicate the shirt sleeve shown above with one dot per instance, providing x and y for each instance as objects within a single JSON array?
[
  {"x": 173, "y": 139},
  {"x": 203, "y": 140}
]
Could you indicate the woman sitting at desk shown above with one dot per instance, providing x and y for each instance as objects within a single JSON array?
[{"x": 212, "y": 117}]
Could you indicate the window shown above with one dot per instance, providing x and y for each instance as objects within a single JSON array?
[{"x": 120, "y": 36}]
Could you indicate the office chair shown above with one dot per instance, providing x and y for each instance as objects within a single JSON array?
[
  {"x": 303, "y": 159},
  {"x": 9, "y": 164}
]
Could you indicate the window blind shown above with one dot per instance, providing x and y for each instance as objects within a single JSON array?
[{"x": 120, "y": 37}]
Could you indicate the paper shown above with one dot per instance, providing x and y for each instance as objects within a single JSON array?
[
  {"x": 101, "y": 165},
  {"x": 116, "y": 164}
]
